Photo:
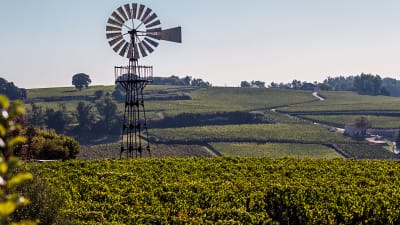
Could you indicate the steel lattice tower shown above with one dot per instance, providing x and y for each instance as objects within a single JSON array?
[{"x": 134, "y": 78}]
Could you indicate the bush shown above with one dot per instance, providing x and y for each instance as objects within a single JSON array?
[{"x": 50, "y": 145}]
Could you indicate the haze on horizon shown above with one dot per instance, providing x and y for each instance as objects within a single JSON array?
[{"x": 44, "y": 43}]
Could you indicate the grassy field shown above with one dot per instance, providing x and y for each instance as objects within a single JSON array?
[
  {"x": 112, "y": 151},
  {"x": 347, "y": 101},
  {"x": 300, "y": 133},
  {"x": 341, "y": 120},
  {"x": 231, "y": 99},
  {"x": 72, "y": 91},
  {"x": 275, "y": 150},
  {"x": 203, "y": 101},
  {"x": 66, "y": 91}
]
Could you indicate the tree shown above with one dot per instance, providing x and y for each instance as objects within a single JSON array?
[
  {"x": 363, "y": 124},
  {"x": 296, "y": 84},
  {"x": 107, "y": 108},
  {"x": 274, "y": 85},
  {"x": 245, "y": 84},
  {"x": 392, "y": 86},
  {"x": 57, "y": 120},
  {"x": 85, "y": 116},
  {"x": 98, "y": 94},
  {"x": 324, "y": 87},
  {"x": 340, "y": 83},
  {"x": 81, "y": 80},
  {"x": 187, "y": 80},
  {"x": 258, "y": 84},
  {"x": 307, "y": 86},
  {"x": 11, "y": 91},
  {"x": 369, "y": 84},
  {"x": 119, "y": 93},
  {"x": 36, "y": 116},
  {"x": 200, "y": 83}
]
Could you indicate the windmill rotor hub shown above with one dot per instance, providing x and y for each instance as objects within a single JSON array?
[{"x": 132, "y": 32}]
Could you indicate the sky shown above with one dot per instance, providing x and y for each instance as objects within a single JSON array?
[{"x": 43, "y": 43}]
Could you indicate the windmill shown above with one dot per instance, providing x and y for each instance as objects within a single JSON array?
[{"x": 134, "y": 31}]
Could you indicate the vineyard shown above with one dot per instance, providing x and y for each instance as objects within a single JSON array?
[
  {"x": 276, "y": 150},
  {"x": 273, "y": 122},
  {"x": 341, "y": 120},
  {"x": 231, "y": 99},
  {"x": 112, "y": 151},
  {"x": 295, "y": 133},
  {"x": 227, "y": 191},
  {"x": 290, "y": 171},
  {"x": 366, "y": 151}
]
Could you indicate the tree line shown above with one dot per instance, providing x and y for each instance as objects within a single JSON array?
[
  {"x": 184, "y": 81},
  {"x": 82, "y": 80},
  {"x": 365, "y": 84},
  {"x": 295, "y": 84},
  {"x": 100, "y": 117}
]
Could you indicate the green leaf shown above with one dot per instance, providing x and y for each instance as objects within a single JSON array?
[
  {"x": 20, "y": 110},
  {"x": 3, "y": 131},
  {"x": 18, "y": 179},
  {"x": 6, "y": 208},
  {"x": 25, "y": 222},
  {"x": 13, "y": 162},
  {"x": 4, "y": 102},
  {"x": 3, "y": 167},
  {"x": 15, "y": 141}
]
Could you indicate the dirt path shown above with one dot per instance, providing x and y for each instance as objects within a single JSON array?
[
  {"x": 213, "y": 153},
  {"x": 160, "y": 115},
  {"x": 315, "y": 94}
]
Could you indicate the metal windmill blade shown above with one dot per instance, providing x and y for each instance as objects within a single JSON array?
[{"x": 134, "y": 31}]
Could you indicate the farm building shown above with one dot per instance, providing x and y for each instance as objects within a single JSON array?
[{"x": 387, "y": 133}]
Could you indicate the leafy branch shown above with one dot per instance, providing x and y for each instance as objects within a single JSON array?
[{"x": 10, "y": 200}]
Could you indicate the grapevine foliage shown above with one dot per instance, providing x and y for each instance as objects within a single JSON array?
[{"x": 228, "y": 191}]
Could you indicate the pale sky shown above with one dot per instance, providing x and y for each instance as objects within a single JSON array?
[{"x": 43, "y": 43}]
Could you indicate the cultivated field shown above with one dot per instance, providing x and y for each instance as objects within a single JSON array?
[
  {"x": 227, "y": 191},
  {"x": 347, "y": 101},
  {"x": 276, "y": 150},
  {"x": 288, "y": 121},
  {"x": 342, "y": 120}
]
